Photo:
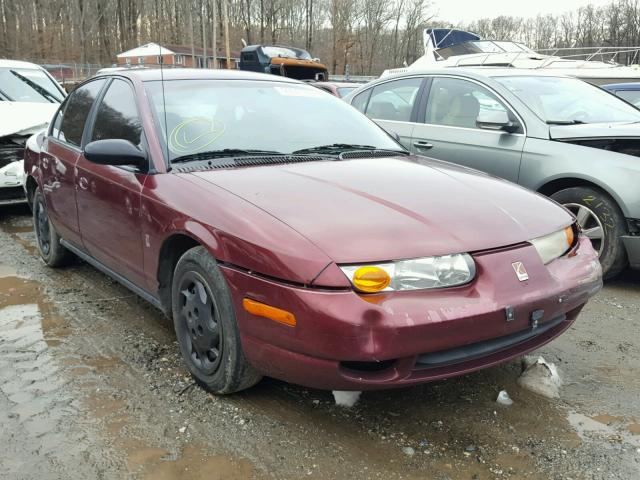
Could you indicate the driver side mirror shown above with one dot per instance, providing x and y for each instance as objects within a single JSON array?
[
  {"x": 115, "y": 152},
  {"x": 496, "y": 120}
]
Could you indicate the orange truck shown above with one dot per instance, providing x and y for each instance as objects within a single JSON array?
[{"x": 284, "y": 61}]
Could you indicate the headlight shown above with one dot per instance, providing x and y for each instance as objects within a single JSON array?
[
  {"x": 416, "y": 274},
  {"x": 554, "y": 245}
]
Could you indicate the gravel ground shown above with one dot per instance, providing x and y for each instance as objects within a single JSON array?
[{"x": 92, "y": 386}]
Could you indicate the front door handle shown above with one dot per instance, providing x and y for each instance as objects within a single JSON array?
[
  {"x": 421, "y": 145},
  {"x": 83, "y": 183}
]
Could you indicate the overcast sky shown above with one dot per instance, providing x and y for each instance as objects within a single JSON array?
[{"x": 464, "y": 11}]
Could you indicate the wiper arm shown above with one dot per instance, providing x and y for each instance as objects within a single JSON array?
[
  {"x": 6, "y": 97},
  {"x": 226, "y": 152},
  {"x": 337, "y": 148},
  {"x": 42, "y": 91},
  {"x": 565, "y": 122}
]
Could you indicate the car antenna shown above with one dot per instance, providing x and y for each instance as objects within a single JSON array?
[{"x": 164, "y": 108}]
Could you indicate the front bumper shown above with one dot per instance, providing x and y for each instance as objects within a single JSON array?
[
  {"x": 347, "y": 341},
  {"x": 632, "y": 245}
]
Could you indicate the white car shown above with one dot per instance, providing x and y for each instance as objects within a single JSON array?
[{"x": 29, "y": 96}]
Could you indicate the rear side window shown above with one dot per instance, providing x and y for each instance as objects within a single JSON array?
[
  {"x": 631, "y": 96},
  {"x": 394, "y": 100},
  {"x": 360, "y": 100},
  {"x": 117, "y": 115},
  {"x": 77, "y": 110}
]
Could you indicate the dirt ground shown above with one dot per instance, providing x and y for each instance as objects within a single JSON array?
[{"x": 91, "y": 386}]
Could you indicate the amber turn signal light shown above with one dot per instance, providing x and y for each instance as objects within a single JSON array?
[
  {"x": 371, "y": 279},
  {"x": 267, "y": 311},
  {"x": 570, "y": 236}
]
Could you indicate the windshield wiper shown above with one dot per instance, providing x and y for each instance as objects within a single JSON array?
[
  {"x": 565, "y": 122},
  {"x": 226, "y": 152},
  {"x": 42, "y": 91},
  {"x": 338, "y": 148},
  {"x": 7, "y": 97}
]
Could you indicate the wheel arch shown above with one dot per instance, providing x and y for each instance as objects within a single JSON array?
[
  {"x": 561, "y": 183},
  {"x": 31, "y": 185},
  {"x": 173, "y": 247}
]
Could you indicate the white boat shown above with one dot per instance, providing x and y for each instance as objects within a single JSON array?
[{"x": 450, "y": 48}]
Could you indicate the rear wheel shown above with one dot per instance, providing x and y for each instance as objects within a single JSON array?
[
  {"x": 206, "y": 327},
  {"x": 601, "y": 221},
  {"x": 47, "y": 239}
]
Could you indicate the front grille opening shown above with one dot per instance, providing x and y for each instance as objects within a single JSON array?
[{"x": 368, "y": 366}]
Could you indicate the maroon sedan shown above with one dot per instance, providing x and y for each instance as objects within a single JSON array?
[{"x": 287, "y": 235}]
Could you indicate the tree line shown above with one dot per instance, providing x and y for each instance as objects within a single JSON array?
[{"x": 366, "y": 35}]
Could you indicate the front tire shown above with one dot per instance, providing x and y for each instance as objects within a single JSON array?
[
  {"x": 47, "y": 239},
  {"x": 601, "y": 221},
  {"x": 206, "y": 327}
]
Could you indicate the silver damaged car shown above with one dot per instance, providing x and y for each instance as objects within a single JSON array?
[{"x": 553, "y": 134}]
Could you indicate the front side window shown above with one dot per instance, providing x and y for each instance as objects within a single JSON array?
[
  {"x": 562, "y": 101},
  {"x": 77, "y": 110},
  {"x": 455, "y": 102},
  {"x": 117, "y": 115},
  {"x": 631, "y": 96},
  {"x": 394, "y": 100},
  {"x": 28, "y": 85},
  {"x": 206, "y": 115}
]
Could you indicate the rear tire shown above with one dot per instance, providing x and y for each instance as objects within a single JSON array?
[
  {"x": 602, "y": 221},
  {"x": 206, "y": 327},
  {"x": 47, "y": 239}
]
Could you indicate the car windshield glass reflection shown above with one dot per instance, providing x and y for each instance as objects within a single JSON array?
[
  {"x": 568, "y": 101},
  {"x": 28, "y": 85},
  {"x": 214, "y": 115}
]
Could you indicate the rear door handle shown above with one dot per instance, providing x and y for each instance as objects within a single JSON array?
[{"x": 421, "y": 145}]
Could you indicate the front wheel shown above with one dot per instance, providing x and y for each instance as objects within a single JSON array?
[
  {"x": 601, "y": 221},
  {"x": 206, "y": 327},
  {"x": 47, "y": 239}
]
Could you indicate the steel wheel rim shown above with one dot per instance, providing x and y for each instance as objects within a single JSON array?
[
  {"x": 591, "y": 225},
  {"x": 201, "y": 326},
  {"x": 43, "y": 229}
]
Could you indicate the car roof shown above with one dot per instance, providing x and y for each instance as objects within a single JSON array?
[
  {"x": 19, "y": 64},
  {"x": 477, "y": 72},
  {"x": 622, "y": 86},
  {"x": 154, "y": 74}
]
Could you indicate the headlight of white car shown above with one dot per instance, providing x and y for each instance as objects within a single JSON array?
[
  {"x": 554, "y": 245},
  {"x": 416, "y": 274}
]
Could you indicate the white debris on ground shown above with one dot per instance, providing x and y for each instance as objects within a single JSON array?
[
  {"x": 346, "y": 399},
  {"x": 504, "y": 398},
  {"x": 540, "y": 377}
]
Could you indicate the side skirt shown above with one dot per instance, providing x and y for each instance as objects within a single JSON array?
[{"x": 149, "y": 297}]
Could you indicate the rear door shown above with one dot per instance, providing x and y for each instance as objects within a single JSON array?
[
  {"x": 393, "y": 106},
  {"x": 447, "y": 129},
  {"x": 108, "y": 196},
  {"x": 58, "y": 159}
]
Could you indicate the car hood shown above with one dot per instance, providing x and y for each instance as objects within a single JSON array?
[
  {"x": 393, "y": 208},
  {"x": 25, "y": 118},
  {"x": 594, "y": 130}
]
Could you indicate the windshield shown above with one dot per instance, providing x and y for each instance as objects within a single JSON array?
[
  {"x": 206, "y": 115},
  {"x": 287, "y": 52},
  {"x": 344, "y": 91},
  {"x": 28, "y": 85},
  {"x": 569, "y": 100}
]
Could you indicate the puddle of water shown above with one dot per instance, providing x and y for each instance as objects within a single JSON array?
[
  {"x": 193, "y": 463},
  {"x": 607, "y": 419},
  {"x": 21, "y": 299},
  {"x": 17, "y": 228},
  {"x": 588, "y": 427}
]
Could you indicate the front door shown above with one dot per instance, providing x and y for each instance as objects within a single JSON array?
[
  {"x": 109, "y": 196},
  {"x": 59, "y": 159},
  {"x": 447, "y": 129}
]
